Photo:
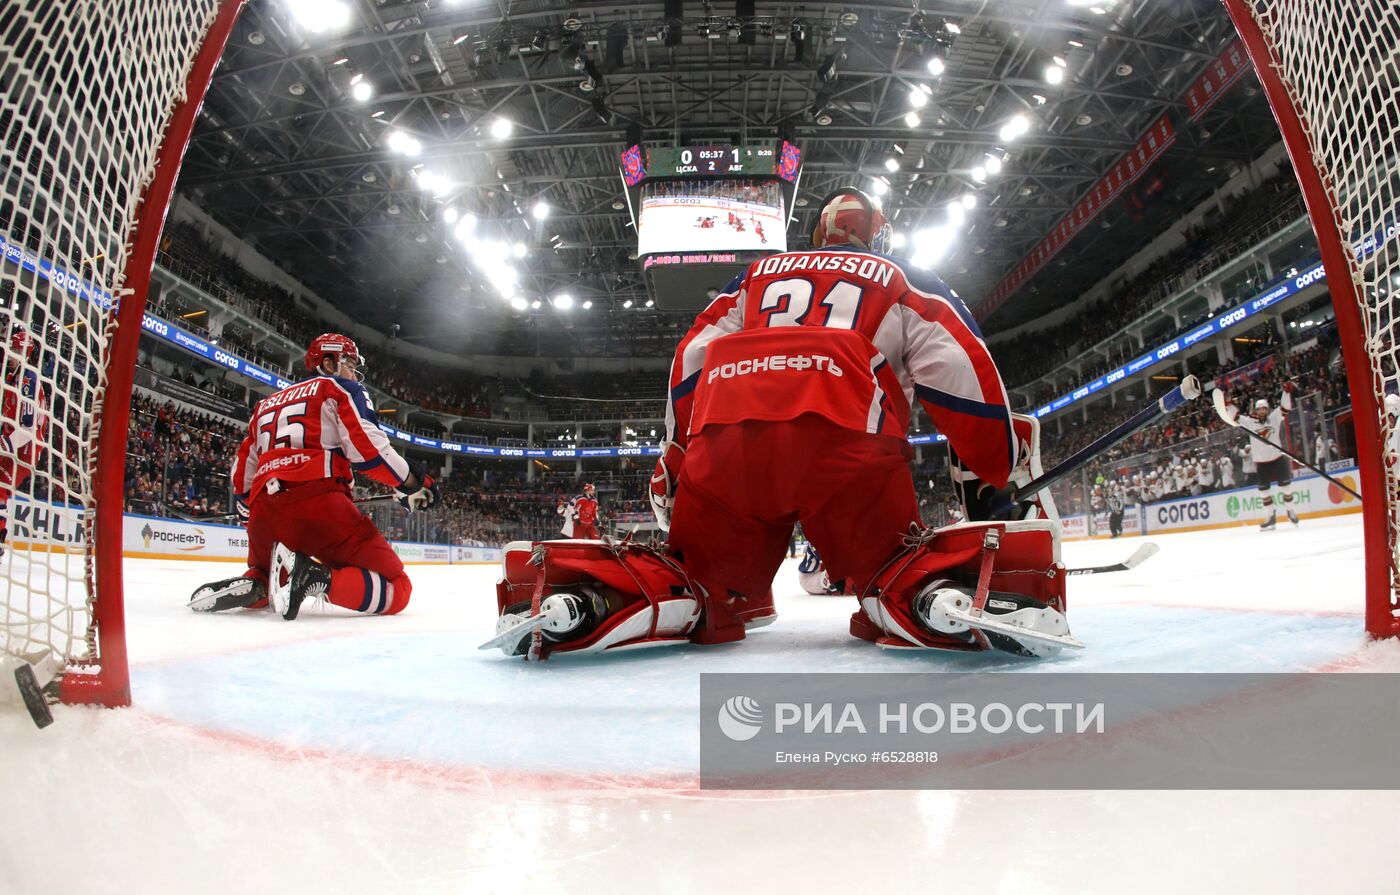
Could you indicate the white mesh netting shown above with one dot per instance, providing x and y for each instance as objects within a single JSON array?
[
  {"x": 86, "y": 91},
  {"x": 1340, "y": 60}
]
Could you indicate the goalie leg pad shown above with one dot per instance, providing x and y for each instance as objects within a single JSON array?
[
  {"x": 1022, "y": 569},
  {"x": 591, "y": 596}
]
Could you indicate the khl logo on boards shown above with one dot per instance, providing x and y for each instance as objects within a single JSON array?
[{"x": 740, "y": 718}]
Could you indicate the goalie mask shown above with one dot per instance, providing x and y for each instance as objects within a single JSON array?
[{"x": 849, "y": 217}]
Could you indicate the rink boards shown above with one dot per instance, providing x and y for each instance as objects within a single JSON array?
[
  {"x": 45, "y": 527},
  {"x": 1313, "y": 498}
]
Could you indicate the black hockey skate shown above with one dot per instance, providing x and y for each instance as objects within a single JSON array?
[
  {"x": 1270, "y": 524},
  {"x": 295, "y": 577},
  {"x": 231, "y": 593}
]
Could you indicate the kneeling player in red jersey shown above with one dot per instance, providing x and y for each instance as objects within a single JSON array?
[
  {"x": 293, "y": 472},
  {"x": 789, "y": 402}
]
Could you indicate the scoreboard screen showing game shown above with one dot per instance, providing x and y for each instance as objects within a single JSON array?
[{"x": 710, "y": 216}]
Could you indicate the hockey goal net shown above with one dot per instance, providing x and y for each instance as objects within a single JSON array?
[
  {"x": 1332, "y": 76},
  {"x": 97, "y": 101}
]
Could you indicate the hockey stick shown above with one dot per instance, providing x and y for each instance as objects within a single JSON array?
[
  {"x": 1140, "y": 556},
  {"x": 378, "y": 498},
  {"x": 1218, "y": 397},
  {"x": 1189, "y": 390}
]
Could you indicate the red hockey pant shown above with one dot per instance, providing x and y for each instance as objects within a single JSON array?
[
  {"x": 745, "y": 485},
  {"x": 320, "y": 519},
  {"x": 12, "y": 477},
  {"x": 586, "y": 530}
]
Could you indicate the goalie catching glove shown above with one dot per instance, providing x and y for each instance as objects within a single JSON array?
[
  {"x": 663, "y": 483},
  {"x": 425, "y": 496},
  {"x": 982, "y": 501}
]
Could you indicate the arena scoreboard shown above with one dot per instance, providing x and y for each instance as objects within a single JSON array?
[
  {"x": 702, "y": 214},
  {"x": 781, "y": 162},
  {"x": 709, "y": 161}
]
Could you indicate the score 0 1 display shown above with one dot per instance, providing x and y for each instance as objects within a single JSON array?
[
  {"x": 710, "y": 161},
  {"x": 684, "y": 161}
]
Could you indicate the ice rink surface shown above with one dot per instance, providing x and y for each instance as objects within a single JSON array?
[{"x": 349, "y": 754}]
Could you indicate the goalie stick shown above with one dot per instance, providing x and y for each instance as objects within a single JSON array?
[
  {"x": 1218, "y": 397},
  {"x": 1189, "y": 390},
  {"x": 1140, "y": 556}
]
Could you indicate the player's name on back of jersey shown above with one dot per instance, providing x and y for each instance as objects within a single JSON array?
[
  {"x": 876, "y": 270},
  {"x": 301, "y": 392}
]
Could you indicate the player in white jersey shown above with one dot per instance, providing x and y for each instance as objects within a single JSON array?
[
  {"x": 1392, "y": 410},
  {"x": 1227, "y": 471},
  {"x": 1205, "y": 476},
  {"x": 567, "y": 515},
  {"x": 1274, "y": 468}
]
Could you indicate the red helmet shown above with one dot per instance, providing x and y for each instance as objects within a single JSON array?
[
  {"x": 588, "y": 488},
  {"x": 22, "y": 344},
  {"x": 332, "y": 345},
  {"x": 850, "y": 217}
]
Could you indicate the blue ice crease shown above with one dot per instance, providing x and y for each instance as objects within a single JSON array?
[{"x": 434, "y": 698}]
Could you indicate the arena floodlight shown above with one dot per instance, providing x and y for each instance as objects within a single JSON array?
[{"x": 1015, "y": 127}]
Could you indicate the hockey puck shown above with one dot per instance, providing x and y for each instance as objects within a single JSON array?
[{"x": 33, "y": 696}]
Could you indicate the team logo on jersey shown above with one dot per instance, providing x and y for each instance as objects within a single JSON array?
[{"x": 740, "y": 718}]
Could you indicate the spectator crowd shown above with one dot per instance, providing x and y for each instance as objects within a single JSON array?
[
  {"x": 1244, "y": 222},
  {"x": 178, "y": 458}
]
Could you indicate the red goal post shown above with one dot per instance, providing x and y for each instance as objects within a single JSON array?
[
  {"x": 97, "y": 104},
  {"x": 1329, "y": 70}
]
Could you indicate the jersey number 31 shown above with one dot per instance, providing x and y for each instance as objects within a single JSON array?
[{"x": 788, "y": 302}]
